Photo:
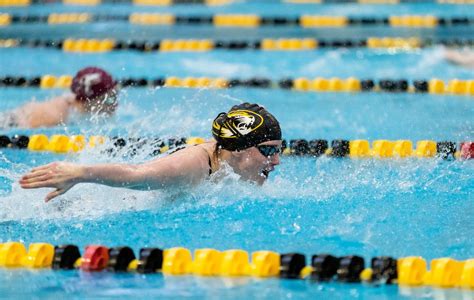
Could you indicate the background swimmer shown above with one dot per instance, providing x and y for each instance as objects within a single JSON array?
[
  {"x": 463, "y": 57},
  {"x": 93, "y": 92},
  {"x": 247, "y": 138}
]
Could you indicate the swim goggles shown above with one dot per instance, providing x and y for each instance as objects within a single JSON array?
[
  {"x": 110, "y": 98},
  {"x": 268, "y": 150}
]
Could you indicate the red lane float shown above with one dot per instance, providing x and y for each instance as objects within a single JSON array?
[{"x": 95, "y": 258}]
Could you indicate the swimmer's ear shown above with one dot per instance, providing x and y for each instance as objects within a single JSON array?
[
  {"x": 236, "y": 153},
  {"x": 241, "y": 154}
]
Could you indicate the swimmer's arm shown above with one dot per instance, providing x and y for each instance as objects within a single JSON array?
[
  {"x": 176, "y": 169},
  {"x": 46, "y": 113},
  {"x": 462, "y": 58},
  {"x": 157, "y": 174}
]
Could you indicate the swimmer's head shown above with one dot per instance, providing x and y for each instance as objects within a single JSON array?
[
  {"x": 95, "y": 89},
  {"x": 252, "y": 135},
  {"x": 245, "y": 125}
]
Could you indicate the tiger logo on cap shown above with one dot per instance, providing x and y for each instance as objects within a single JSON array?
[
  {"x": 238, "y": 123},
  {"x": 244, "y": 126}
]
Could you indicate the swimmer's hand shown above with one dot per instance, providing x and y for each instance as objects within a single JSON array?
[{"x": 59, "y": 175}]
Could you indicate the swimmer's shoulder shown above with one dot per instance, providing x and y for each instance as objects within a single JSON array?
[
  {"x": 209, "y": 149},
  {"x": 208, "y": 146},
  {"x": 61, "y": 103},
  {"x": 196, "y": 159},
  {"x": 65, "y": 100},
  {"x": 205, "y": 149},
  {"x": 204, "y": 153}
]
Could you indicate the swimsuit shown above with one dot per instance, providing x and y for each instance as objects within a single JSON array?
[{"x": 210, "y": 164}]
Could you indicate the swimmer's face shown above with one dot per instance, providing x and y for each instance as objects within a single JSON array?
[
  {"x": 106, "y": 104},
  {"x": 255, "y": 166}
]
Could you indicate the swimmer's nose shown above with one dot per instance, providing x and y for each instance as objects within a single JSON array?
[{"x": 275, "y": 159}]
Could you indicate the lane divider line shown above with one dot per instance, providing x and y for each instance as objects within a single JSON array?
[
  {"x": 406, "y": 271},
  {"x": 198, "y": 45},
  {"x": 4, "y": 3},
  {"x": 433, "y": 86},
  {"x": 355, "y": 149},
  {"x": 239, "y": 20},
  {"x": 217, "y": 2}
]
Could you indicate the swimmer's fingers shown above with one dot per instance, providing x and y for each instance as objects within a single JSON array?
[
  {"x": 26, "y": 183},
  {"x": 54, "y": 194},
  {"x": 38, "y": 175},
  {"x": 39, "y": 172},
  {"x": 34, "y": 184}
]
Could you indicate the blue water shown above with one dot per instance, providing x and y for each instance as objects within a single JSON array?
[
  {"x": 341, "y": 206},
  {"x": 123, "y": 30},
  {"x": 362, "y": 63},
  {"x": 270, "y": 8}
]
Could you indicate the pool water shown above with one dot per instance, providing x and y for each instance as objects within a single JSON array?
[{"x": 368, "y": 207}]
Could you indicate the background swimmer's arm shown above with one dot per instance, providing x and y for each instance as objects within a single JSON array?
[
  {"x": 463, "y": 58},
  {"x": 44, "y": 113}
]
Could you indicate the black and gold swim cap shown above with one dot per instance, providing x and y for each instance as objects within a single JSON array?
[{"x": 245, "y": 125}]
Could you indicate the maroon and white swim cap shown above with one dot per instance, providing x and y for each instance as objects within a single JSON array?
[{"x": 91, "y": 82}]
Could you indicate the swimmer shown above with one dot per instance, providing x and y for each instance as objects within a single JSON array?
[
  {"x": 464, "y": 58},
  {"x": 93, "y": 90},
  {"x": 247, "y": 139}
]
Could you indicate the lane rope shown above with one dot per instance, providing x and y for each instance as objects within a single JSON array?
[
  {"x": 407, "y": 271},
  {"x": 5, "y": 3},
  {"x": 241, "y": 20},
  {"x": 218, "y": 2},
  {"x": 202, "y": 45},
  {"x": 433, "y": 86},
  {"x": 355, "y": 149}
]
